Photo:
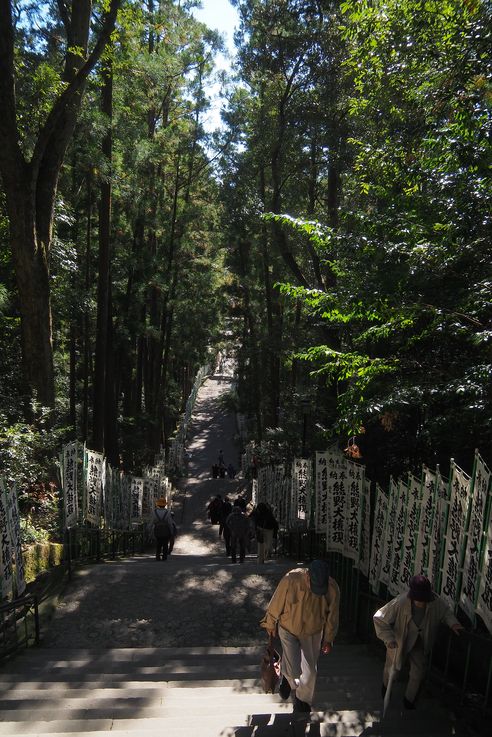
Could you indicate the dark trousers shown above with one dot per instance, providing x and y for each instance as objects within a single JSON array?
[
  {"x": 235, "y": 542},
  {"x": 161, "y": 546},
  {"x": 227, "y": 539}
]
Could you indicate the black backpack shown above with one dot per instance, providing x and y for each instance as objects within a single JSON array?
[{"x": 162, "y": 527}]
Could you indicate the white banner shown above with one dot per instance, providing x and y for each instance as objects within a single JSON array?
[
  {"x": 438, "y": 531},
  {"x": 337, "y": 493},
  {"x": 455, "y": 533},
  {"x": 388, "y": 542},
  {"x": 414, "y": 500},
  {"x": 6, "y": 549},
  {"x": 15, "y": 538},
  {"x": 278, "y": 478},
  {"x": 353, "y": 504},
  {"x": 150, "y": 489},
  {"x": 301, "y": 477},
  {"x": 321, "y": 491},
  {"x": 284, "y": 502},
  {"x": 427, "y": 508},
  {"x": 136, "y": 497},
  {"x": 262, "y": 484},
  {"x": 94, "y": 461},
  {"x": 254, "y": 492},
  {"x": 378, "y": 538},
  {"x": 475, "y": 539},
  {"x": 484, "y": 601},
  {"x": 395, "y": 585},
  {"x": 69, "y": 480},
  {"x": 125, "y": 500},
  {"x": 108, "y": 502},
  {"x": 365, "y": 532}
]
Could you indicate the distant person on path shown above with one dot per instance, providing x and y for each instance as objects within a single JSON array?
[
  {"x": 241, "y": 502},
  {"x": 231, "y": 471},
  {"x": 266, "y": 528},
  {"x": 223, "y": 527},
  {"x": 164, "y": 529},
  {"x": 214, "y": 510},
  {"x": 408, "y": 626},
  {"x": 220, "y": 459},
  {"x": 174, "y": 532},
  {"x": 305, "y": 610},
  {"x": 240, "y": 528}
]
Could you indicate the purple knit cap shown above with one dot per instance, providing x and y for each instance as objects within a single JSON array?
[{"x": 420, "y": 589}]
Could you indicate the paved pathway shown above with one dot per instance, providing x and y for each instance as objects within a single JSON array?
[
  {"x": 146, "y": 647},
  {"x": 195, "y": 598}
]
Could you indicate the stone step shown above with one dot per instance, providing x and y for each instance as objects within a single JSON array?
[
  {"x": 25, "y": 697},
  {"x": 340, "y": 726},
  {"x": 213, "y": 692}
]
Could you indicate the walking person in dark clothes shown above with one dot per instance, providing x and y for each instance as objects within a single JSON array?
[
  {"x": 223, "y": 527},
  {"x": 164, "y": 529},
  {"x": 266, "y": 528},
  {"x": 240, "y": 528}
]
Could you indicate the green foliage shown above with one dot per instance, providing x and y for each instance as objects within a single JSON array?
[{"x": 40, "y": 557}]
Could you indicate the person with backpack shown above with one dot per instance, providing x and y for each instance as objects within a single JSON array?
[
  {"x": 240, "y": 527},
  {"x": 174, "y": 532},
  {"x": 214, "y": 509},
  {"x": 164, "y": 529}
]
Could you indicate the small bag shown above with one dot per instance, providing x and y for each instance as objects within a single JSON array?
[{"x": 270, "y": 667}]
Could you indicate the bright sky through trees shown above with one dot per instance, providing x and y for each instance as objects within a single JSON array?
[{"x": 220, "y": 16}]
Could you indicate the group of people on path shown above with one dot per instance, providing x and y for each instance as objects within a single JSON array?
[
  {"x": 239, "y": 526},
  {"x": 220, "y": 470},
  {"x": 304, "y": 613}
]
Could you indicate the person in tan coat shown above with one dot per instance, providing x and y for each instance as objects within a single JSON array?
[
  {"x": 408, "y": 626},
  {"x": 305, "y": 610}
]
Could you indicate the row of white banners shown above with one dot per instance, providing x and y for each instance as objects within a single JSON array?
[
  {"x": 177, "y": 445},
  {"x": 95, "y": 492},
  {"x": 422, "y": 525}
]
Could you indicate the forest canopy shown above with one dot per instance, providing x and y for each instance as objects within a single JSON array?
[{"x": 337, "y": 226}]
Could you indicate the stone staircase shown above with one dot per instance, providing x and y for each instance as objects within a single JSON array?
[{"x": 201, "y": 692}]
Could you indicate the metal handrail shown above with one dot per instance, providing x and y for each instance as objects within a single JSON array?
[
  {"x": 16, "y": 628},
  {"x": 86, "y": 545}
]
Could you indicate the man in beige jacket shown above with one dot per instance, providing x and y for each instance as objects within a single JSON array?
[
  {"x": 408, "y": 626},
  {"x": 305, "y": 609}
]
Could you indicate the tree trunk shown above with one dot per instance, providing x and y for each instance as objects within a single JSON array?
[
  {"x": 86, "y": 320},
  {"x": 99, "y": 410},
  {"x": 30, "y": 188},
  {"x": 32, "y": 275}
]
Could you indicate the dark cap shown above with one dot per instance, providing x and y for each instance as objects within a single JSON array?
[
  {"x": 420, "y": 589},
  {"x": 319, "y": 576}
]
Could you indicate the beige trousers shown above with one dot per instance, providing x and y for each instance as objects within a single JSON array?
[
  {"x": 300, "y": 662},
  {"x": 265, "y": 548},
  {"x": 418, "y": 666}
]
